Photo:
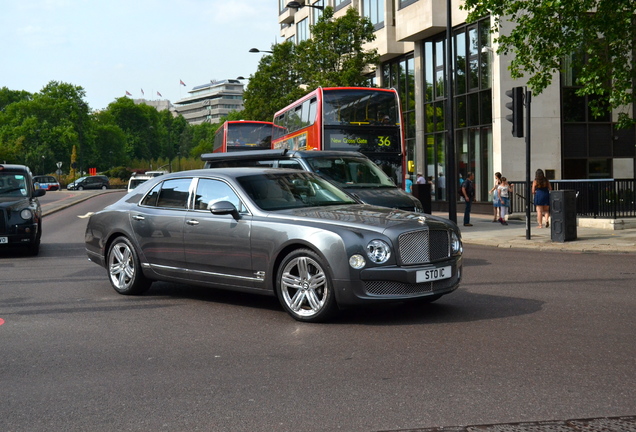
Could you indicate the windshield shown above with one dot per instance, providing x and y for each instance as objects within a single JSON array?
[
  {"x": 350, "y": 171},
  {"x": 12, "y": 185},
  {"x": 133, "y": 183},
  {"x": 249, "y": 135},
  {"x": 278, "y": 191}
]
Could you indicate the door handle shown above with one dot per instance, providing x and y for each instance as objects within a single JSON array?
[
  {"x": 138, "y": 218},
  {"x": 192, "y": 222}
]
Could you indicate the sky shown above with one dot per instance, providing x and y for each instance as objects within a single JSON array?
[{"x": 110, "y": 47}]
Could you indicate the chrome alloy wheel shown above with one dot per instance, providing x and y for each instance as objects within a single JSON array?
[
  {"x": 304, "y": 287},
  {"x": 121, "y": 266}
]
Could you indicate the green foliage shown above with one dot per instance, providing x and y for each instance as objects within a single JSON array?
[
  {"x": 541, "y": 34},
  {"x": 332, "y": 57}
]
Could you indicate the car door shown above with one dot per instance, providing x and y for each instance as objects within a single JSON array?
[
  {"x": 217, "y": 247},
  {"x": 158, "y": 226}
]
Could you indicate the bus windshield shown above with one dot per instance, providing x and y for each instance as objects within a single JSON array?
[
  {"x": 360, "y": 107},
  {"x": 249, "y": 135}
]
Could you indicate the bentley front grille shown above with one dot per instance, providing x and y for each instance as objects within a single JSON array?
[{"x": 424, "y": 246}]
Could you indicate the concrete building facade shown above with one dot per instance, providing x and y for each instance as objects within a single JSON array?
[
  {"x": 207, "y": 103},
  {"x": 411, "y": 39}
]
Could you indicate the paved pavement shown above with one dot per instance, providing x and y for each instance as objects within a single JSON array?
[
  {"x": 588, "y": 239},
  {"x": 483, "y": 232}
]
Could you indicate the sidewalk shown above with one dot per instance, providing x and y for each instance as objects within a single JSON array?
[
  {"x": 483, "y": 232},
  {"x": 589, "y": 239}
]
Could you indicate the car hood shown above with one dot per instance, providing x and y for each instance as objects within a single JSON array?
[
  {"x": 386, "y": 197},
  {"x": 365, "y": 217},
  {"x": 14, "y": 203}
]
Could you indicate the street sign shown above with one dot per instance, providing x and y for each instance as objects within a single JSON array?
[
  {"x": 59, "y": 164},
  {"x": 58, "y": 172}
]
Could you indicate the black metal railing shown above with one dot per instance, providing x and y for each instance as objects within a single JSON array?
[{"x": 607, "y": 198}]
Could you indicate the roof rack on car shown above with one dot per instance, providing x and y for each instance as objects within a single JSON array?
[{"x": 251, "y": 154}]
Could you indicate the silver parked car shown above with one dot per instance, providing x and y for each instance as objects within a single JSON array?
[{"x": 281, "y": 232}]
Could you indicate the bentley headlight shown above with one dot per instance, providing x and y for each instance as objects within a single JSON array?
[
  {"x": 378, "y": 251},
  {"x": 456, "y": 244},
  {"x": 26, "y": 214}
]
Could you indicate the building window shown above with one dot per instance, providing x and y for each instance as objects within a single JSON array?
[
  {"x": 302, "y": 30},
  {"x": 339, "y": 4},
  {"x": 589, "y": 143},
  {"x": 374, "y": 10},
  {"x": 316, "y": 13},
  {"x": 405, "y": 3},
  {"x": 472, "y": 106},
  {"x": 400, "y": 74}
]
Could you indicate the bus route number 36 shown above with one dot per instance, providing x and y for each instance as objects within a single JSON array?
[{"x": 384, "y": 141}]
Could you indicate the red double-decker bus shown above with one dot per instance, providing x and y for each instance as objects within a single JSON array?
[
  {"x": 237, "y": 135},
  {"x": 367, "y": 120}
]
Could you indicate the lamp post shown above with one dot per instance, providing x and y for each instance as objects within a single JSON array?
[
  {"x": 256, "y": 50},
  {"x": 451, "y": 165},
  {"x": 297, "y": 5}
]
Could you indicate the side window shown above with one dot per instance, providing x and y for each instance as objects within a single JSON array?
[
  {"x": 289, "y": 164},
  {"x": 174, "y": 193},
  {"x": 211, "y": 191},
  {"x": 151, "y": 198}
]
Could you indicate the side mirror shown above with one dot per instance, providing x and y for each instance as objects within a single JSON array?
[
  {"x": 223, "y": 208},
  {"x": 39, "y": 193}
]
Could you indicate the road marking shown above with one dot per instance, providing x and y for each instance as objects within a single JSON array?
[{"x": 87, "y": 215}]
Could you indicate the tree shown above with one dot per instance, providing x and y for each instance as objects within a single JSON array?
[
  {"x": 41, "y": 129},
  {"x": 274, "y": 85},
  {"x": 599, "y": 36},
  {"x": 332, "y": 57}
]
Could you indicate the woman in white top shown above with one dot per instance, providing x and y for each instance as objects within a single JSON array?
[
  {"x": 496, "y": 205},
  {"x": 503, "y": 191}
]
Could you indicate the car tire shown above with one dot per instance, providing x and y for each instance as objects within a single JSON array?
[
  {"x": 104, "y": 187},
  {"x": 124, "y": 268},
  {"x": 304, "y": 287},
  {"x": 80, "y": 188}
]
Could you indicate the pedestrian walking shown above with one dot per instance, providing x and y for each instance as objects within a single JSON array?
[
  {"x": 420, "y": 179},
  {"x": 496, "y": 205},
  {"x": 441, "y": 186},
  {"x": 541, "y": 188},
  {"x": 468, "y": 192},
  {"x": 504, "y": 189}
]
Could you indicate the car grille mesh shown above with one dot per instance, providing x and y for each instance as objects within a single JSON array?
[
  {"x": 394, "y": 288},
  {"x": 424, "y": 246}
]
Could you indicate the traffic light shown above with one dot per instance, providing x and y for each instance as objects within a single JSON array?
[{"x": 516, "y": 106}]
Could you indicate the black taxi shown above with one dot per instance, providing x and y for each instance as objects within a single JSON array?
[{"x": 20, "y": 211}]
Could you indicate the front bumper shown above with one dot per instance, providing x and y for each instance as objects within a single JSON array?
[{"x": 385, "y": 284}]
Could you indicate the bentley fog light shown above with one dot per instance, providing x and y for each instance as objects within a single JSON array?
[
  {"x": 357, "y": 261},
  {"x": 26, "y": 214},
  {"x": 378, "y": 251}
]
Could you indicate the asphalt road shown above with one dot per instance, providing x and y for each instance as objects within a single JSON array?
[{"x": 529, "y": 336}]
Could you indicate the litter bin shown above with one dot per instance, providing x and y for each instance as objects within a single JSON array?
[
  {"x": 563, "y": 213},
  {"x": 423, "y": 193}
]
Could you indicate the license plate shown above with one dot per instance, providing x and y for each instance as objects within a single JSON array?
[
  {"x": 4, "y": 240},
  {"x": 433, "y": 274}
]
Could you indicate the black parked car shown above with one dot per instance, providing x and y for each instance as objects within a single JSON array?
[
  {"x": 20, "y": 211},
  {"x": 91, "y": 182},
  {"x": 280, "y": 232},
  {"x": 351, "y": 171}
]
